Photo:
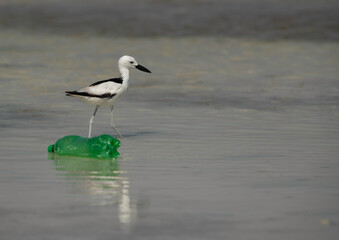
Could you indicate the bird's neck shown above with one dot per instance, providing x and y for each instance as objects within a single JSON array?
[{"x": 124, "y": 73}]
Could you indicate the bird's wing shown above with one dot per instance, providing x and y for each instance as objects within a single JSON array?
[
  {"x": 107, "y": 87},
  {"x": 116, "y": 80}
]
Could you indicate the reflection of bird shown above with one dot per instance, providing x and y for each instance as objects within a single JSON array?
[
  {"x": 103, "y": 180},
  {"x": 105, "y": 92}
]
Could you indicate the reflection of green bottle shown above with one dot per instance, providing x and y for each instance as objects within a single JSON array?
[
  {"x": 102, "y": 147},
  {"x": 106, "y": 169}
]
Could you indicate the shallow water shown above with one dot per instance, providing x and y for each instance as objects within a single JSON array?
[{"x": 228, "y": 138}]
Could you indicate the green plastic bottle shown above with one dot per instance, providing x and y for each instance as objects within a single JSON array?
[{"x": 101, "y": 147}]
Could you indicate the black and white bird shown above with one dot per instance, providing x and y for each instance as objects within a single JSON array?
[{"x": 106, "y": 92}]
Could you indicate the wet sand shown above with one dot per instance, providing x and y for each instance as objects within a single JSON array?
[{"x": 231, "y": 137}]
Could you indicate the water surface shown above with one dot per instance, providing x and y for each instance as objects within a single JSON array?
[{"x": 230, "y": 137}]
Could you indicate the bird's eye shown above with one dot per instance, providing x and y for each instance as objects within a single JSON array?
[{"x": 131, "y": 62}]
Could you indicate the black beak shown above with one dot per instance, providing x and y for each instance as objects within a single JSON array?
[{"x": 142, "y": 68}]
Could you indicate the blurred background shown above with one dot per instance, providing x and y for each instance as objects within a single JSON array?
[
  {"x": 234, "y": 134},
  {"x": 311, "y": 20}
]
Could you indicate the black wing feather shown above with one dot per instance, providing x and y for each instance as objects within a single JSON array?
[
  {"x": 85, "y": 94},
  {"x": 116, "y": 80}
]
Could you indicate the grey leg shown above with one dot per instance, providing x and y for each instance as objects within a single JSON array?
[
  {"x": 91, "y": 121},
  {"x": 112, "y": 123}
]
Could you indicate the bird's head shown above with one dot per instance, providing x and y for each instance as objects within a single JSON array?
[{"x": 130, "y": 62}]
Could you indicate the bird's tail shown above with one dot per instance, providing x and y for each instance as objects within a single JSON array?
[{"x": 71, "y": 93}]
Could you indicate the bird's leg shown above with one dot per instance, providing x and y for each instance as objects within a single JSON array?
[
  {"x": 91, "y": 121},
  {"x": 112, "y": 123}
]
